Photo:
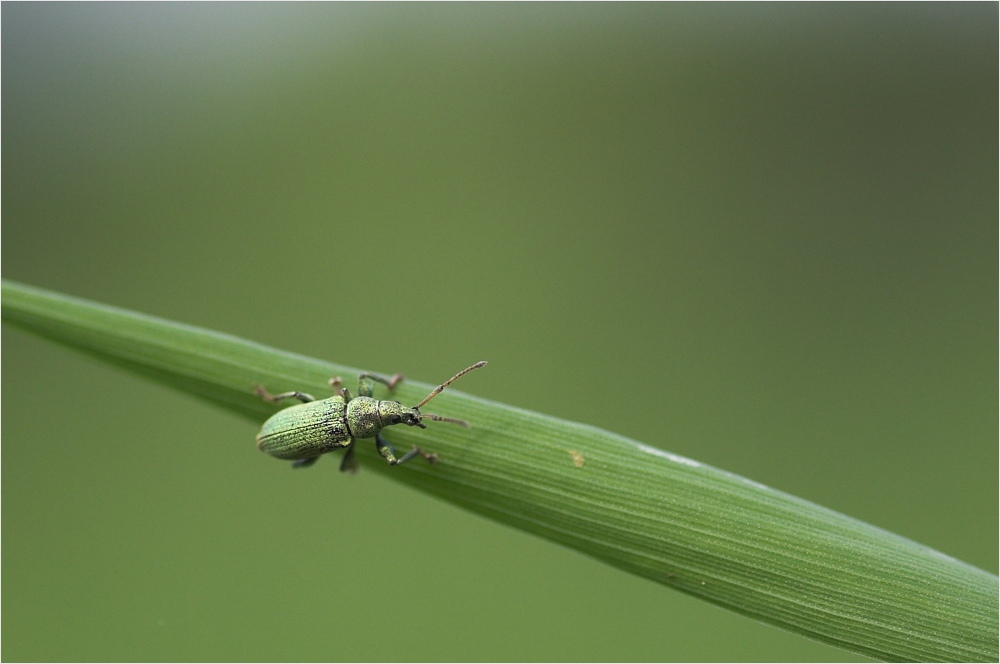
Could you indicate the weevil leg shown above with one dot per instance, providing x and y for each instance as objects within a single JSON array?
[
  {"x": 337, "y": 383},
  {"x": 389, "y": 454},
  {"x": 365, "y": 386},
  {"x": 275, "y": 398},
  {"x": 304, "y": 463},
  {"x": 348, "y": 464}
]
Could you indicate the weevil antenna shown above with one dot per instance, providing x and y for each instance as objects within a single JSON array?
[
  {"x": 437, "y": 390},
  {"x": 438, "y": 418}
]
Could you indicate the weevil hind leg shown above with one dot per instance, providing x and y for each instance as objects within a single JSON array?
[
  {"x": 304, "y": 463},
  {"x": 275, "y": 398},
  {"x": 389, "y": 454},
  {"x": 349, "y": 464}
]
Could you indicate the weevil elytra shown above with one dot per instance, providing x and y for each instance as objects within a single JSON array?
[{"x": 304, "y": 432}]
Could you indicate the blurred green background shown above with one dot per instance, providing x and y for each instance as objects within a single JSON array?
[{"x": 767, "y": 232}]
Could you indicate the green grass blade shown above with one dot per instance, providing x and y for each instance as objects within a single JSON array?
[{"x": 715, "y": 535}]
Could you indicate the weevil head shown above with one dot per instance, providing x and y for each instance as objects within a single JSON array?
[
  {"x": 366, "y": 416},
  {"x": 393, "y": 412}
]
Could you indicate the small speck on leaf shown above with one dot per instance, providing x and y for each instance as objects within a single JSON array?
[{"x": 578, "y": 459}]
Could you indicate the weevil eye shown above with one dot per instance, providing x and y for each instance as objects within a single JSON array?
[{"x": 395, "y": 419}]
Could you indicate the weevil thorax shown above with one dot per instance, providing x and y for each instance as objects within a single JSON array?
[{"x": 367, "y": 416}]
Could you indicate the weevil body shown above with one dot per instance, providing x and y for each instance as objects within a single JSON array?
[{"x": 304, "y": 432}]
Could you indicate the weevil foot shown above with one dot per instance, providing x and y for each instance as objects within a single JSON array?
[
  {"x": 304, "y": 463},
  {"x": 416, "y": 451},
  {"x": 389, "y": 454},
  {"x": 394, "y": 381},
  {"x": 337, "y": 383},
  {"x": 364, "y": 386},
  {"x": 276, "y": 398}
]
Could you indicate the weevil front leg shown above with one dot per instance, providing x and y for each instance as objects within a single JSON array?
[
  {"x": 275, "y": 398},
  {"x": 389, "y": 454},
  {"x": 365, "y": 385}
]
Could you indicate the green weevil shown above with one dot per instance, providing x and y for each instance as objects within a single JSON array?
[{"x": 304, "y": 432}]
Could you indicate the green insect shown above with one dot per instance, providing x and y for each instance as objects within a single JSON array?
[{"x": 303, "y": 432}]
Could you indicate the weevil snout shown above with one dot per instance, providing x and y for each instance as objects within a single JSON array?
[
  {"x": 392, "y": 412},
  {"x": 411, "y": 417}
]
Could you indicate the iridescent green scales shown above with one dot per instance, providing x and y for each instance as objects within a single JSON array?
[
  {"x": 304, "y": 432},
  {"x": 307, "y": 430}
]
